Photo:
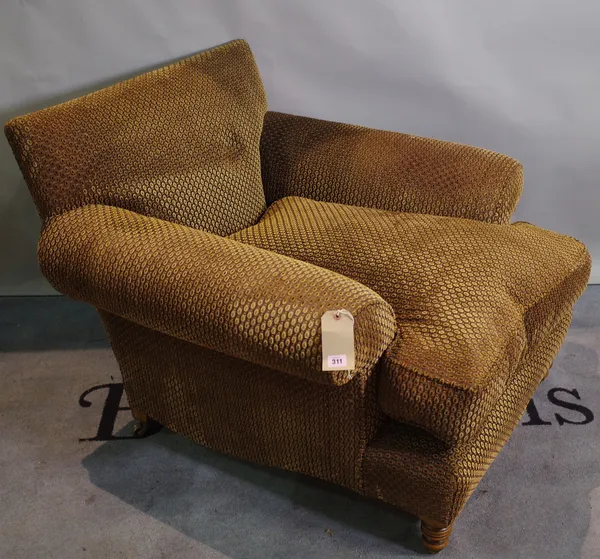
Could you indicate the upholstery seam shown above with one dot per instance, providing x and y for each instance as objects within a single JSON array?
[
  {"x": 473, "y": 389},
  {"x": 363, "y": 309}
]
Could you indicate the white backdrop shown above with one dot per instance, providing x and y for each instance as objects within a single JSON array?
[{"x": 517, "y": 76}]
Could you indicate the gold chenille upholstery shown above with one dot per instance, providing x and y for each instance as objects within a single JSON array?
[
  {"x": 179, "y": 143},
  {"x": 153, "y": 195},
  {"x": 349, "y": 164},
  {"x": 460, "y": 288},
  {"x": 210, "y": 290}
]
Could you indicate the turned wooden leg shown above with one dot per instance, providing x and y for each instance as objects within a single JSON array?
[
  {"x": 147, "y": 425},
  {"x": 139, "y": 415},
  {"x": 435, "y": 535}
]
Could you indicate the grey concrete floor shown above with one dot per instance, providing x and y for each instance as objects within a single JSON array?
[{"x": 166, "y": 497}]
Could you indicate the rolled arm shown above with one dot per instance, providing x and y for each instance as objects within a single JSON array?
[
  {"x": 334, "y": 162},
  {"x": 213, "y": 291}
]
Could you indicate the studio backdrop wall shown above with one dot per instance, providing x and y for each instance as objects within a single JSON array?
[{"x": 518, "y": 76}]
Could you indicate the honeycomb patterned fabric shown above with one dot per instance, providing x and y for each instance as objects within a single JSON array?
[
  {"x": 246, "y": 410},
  {"x": 334, "y": 433},
  {"x": 334, "y": 162},
  {"x": 468, "y": 296},
  {"x": 179, "y": 143},
  {"x": 210, "y": 290},
  {"x": 153, "y": 207},
  {"x": 407, "y": 468}
]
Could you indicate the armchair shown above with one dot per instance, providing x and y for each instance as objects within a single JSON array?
[{"x": 212, "y": 235}]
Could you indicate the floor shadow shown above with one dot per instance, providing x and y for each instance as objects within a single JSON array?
[
  {"x": 244, "y": 510},
  {"x": 49, "y": 323},
  {"x": 537, "y": 500},
  {"x": 541, "y": 497}
]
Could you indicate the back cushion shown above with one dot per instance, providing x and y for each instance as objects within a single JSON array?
[{"x": 180, "y": 143}]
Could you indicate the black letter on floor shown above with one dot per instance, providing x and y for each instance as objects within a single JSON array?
[
  {"x": 587, "y": 413},
  {"x": 534, "y": 416},
  {"x": 112, "y": 406}
]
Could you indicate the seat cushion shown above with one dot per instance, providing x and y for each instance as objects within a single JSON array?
[
  {"x": 180, "y": 143},
  {"x": 469, "y": 298}
]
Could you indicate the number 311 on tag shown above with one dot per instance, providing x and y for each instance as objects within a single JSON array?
[{"x": 340, "y": 361}]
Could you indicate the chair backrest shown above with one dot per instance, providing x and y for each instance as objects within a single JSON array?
[{"x": 180, "y": 143}]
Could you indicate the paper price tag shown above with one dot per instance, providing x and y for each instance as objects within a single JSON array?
[{"x": 337, "y": 336}]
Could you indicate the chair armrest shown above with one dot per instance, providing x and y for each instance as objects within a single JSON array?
[
  {"x": 216, "y": 292},
  {"x": 334, "y": 162}
]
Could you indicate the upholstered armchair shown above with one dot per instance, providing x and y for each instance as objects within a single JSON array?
[{"x": 212, "y": 236}]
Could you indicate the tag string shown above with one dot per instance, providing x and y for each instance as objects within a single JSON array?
[{"x": 338, "y": 314}]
